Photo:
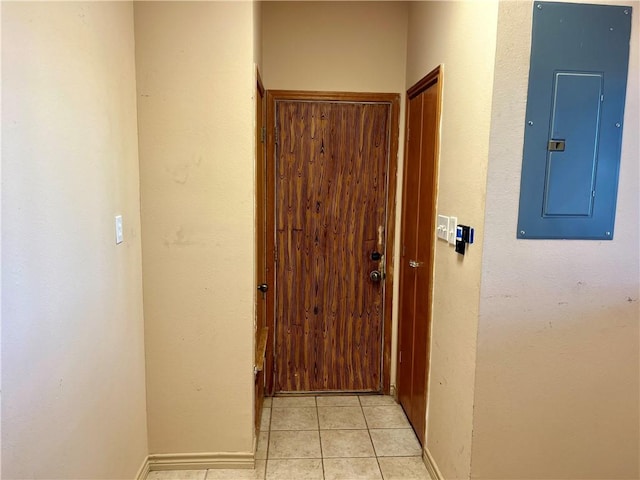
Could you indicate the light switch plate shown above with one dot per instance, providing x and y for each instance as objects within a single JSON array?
[
  {"x": 453, "y": 225},
  {"x": 119, "y": 233},
  {"x": 443, "y": 227}
]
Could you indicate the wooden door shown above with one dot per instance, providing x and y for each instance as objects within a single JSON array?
[
  {"x": 418, "y": 237},
  {"x": 262, "y": 283},
  {"x": 331, "y": 218},
  {"x": 409, "y": 251}
]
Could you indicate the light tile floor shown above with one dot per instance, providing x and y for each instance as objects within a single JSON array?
[{"x": 346, "y": 437}]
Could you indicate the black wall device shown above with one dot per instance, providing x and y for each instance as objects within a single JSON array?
[{"x": 464, "y": 236}]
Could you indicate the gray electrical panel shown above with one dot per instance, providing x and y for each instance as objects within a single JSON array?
[{"x": 574, "y": 121}]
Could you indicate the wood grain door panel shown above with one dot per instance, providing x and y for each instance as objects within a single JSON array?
[
  {"x": 418, "y": 227},
  {"x": 331, "y": 178},
  {"x": 425, "y": 256},
  {"x": 409, "y": 246}
]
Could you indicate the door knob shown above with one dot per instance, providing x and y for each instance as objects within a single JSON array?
[
  {"x": 263, "y": 287},
  {"x": 375, "y": 276},
  {"x": 414, "y": 264}
]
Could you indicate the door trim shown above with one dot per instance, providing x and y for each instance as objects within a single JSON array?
[
  {"x": 425, "y": 82},
  {"x": 393, "y": 99}
]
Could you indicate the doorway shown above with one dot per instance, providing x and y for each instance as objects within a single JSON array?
[
  {"x": 333, "y": 183},
  {"x": 417, "y": 247}
]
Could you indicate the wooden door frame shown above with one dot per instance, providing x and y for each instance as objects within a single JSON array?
[
  {"x": 393, "y": 99},
  {"x": 260, "y": 336},
  {"x": 434, "y": 77}
]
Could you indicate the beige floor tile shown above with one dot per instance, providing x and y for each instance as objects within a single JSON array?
[
  {"x": 263, "y": 443},
  {"x": 400, "y": 442},
  {"x": 294, "y": 444},
  {"x": 265, "y": 420},
  {"x": 238, "y": 473},
  {"x": 301, "y": 418},
  {"x": 297, "y": 469},
  {"x": 341, "y": 418},
  {"x": 373, "y": 400},
  {"x": 385, "y": 416},
  {"x": 403, "y": 468},
  {"x": 351, "y": 469},
  {"x": 338, "y": 401},
  {"x": 267, "y": 402},
  {"x": 177, "y": 475},
  {"x": 346, "y": 443},
  {"x": 286, "y": 402}
]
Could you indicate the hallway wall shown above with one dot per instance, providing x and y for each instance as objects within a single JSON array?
[
  {"x": 340, "y": 46},
  {"x": 335, "y": 46},
  {"x": 557, "y": 392},
  {"x": 196, "y": 82},
  {"x": 461, "y": 36},
  {"x": 73, "y": 388}
]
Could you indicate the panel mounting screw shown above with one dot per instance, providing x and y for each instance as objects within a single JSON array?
[
  {"x": 611, "y": 29},
  {"x": 617, "y": 124},
  {"x": 626, "y": 12},
  {"x": 530, "y": 122},
  {"x": 522, "y": 232},
  {"x": 539, "y": 7},
  {"x": 608, "y": 234}
]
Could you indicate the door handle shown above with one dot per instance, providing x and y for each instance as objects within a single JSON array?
[
  {"x": 263, "y": 287},
  {"x": 415, "y": 264},
  {"x": 375, "y": 276}
]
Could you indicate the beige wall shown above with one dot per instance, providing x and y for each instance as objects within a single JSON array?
[
  {"x": 557, "y": 391},
  {"x": 339, "y": 46},
  {"x": 461, "y": 36},
  {"x": 556, "y": 373},
  {"x": 195, "y": 70},
  {"x": 334, "y": 46},
  {"x": 72, "y": 331},
  {"x": 257, "y": 34}
]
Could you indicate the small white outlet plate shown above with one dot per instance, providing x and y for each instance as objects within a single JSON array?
[
  {"x": 453, "y": 224},
  {"x": 443, "y": 227},
  {"x": 119, "y": 234}
]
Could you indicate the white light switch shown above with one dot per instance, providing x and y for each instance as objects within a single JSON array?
[
  {"x": 443, "y": 227},
  {"x": 119, "y": 234},
  {"x": 453, "y": 224}
]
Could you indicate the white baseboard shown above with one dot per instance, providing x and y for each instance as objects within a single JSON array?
[
  {"x": 143, "y": 471},
  {"x": 430, "y": 463},
  {"x": 393, "y": 391},
  {"x": 201, "y": 461}
]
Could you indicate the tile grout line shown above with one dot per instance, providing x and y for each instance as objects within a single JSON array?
[
  {"x": 371, "y": 438},
  {"x": 319, "y": 437},
  {"x": 266, "y": 460}
]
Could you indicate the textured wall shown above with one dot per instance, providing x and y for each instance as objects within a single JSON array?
[
  {"x": 339, "y": 46},
  {"x": 196, "y": 81},
  {"x": 335, "y": 46},
  {"x": 257, "y": 33},
  {"x": 72, "y": 322},
  {"x": 558, "y": 368},
  {"x": 461, "y": 36}
]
